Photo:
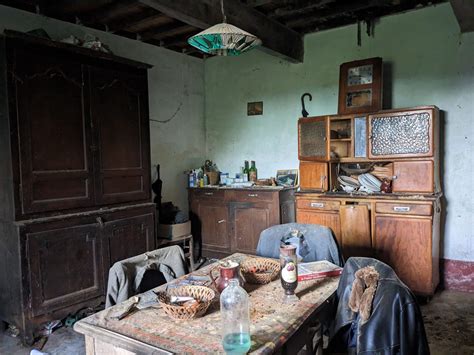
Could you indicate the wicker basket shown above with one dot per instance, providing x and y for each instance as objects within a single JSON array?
[
  {"x": 260, "y": 270},
  {"x": 204, "y": 296}
]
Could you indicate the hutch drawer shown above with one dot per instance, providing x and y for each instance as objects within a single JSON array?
[
  {"x": 404, "y": 208},
  {"x": 318, "y": 204}
]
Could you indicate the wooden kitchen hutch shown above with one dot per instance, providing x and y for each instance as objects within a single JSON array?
[
  {"x": 401, "y": 228},
  {"x": 74, "y": 176}
]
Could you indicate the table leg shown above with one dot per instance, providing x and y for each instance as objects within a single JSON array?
[{"x": 191, "y": 254}]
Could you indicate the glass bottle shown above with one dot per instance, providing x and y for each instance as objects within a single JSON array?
[
  {"x": 235, "y": 319},
  {"x": 289, "y": 272},
  {"x": 252, "y": 172},
  {"x": 246, "y": 171}
]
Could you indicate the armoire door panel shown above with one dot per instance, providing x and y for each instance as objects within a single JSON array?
[
  {"x": 53, "y": 132},
  {"x": 129, "y": 236},
  {"x": 65, "y": 266},
  {"x": 119, "y": 114}
]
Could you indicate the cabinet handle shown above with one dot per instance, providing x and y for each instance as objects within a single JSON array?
[
  {"x": 401, "y": 209},
  {"x": 252, "y": 195},
  {"x": 209, "y": 193},
  {"x": 89, "y": 238},
  {"x": 221, "y": 221},
  {"x": 317, "y": 204},
  {"x": 100, "y": 221}
]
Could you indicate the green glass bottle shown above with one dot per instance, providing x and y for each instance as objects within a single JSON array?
[
  {"x": 252, "y": 172},
  {"x": 246, "y": 171}
]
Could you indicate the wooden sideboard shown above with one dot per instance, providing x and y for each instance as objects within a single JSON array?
[
  {"x": 74, "y": 176},
  {"x": 226, "y": 220},
  {"x": 401, "y": 228},
  {"x": 401, "y": 231}
]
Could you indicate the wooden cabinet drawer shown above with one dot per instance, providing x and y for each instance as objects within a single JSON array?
[
  {"x": 251, "y": 196},
  {"x": 404, "y": 208},
  {"x": 207, "y": 193},
  {"x": 318, "y": 204}
]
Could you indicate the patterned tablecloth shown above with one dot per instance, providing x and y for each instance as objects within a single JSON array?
[{"x": 272, "y": 322}]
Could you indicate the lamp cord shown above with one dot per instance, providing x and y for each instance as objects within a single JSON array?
[{"x": 223, "y": 13}]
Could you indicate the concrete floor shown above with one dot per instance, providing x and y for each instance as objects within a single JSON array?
[{"x": 449, "y": 323}]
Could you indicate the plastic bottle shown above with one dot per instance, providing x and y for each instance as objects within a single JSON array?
[{"x": 235, "y": 319}]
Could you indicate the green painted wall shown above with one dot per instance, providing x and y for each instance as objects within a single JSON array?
[{"x": 427, "y": 62}]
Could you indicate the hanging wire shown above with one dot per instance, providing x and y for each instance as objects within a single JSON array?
[{"x": 223, "y": 13}]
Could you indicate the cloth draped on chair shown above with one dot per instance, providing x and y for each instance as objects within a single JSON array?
[
  {"x": 321, "y": 244},
  {"x": 393, "y": 323},
  {"x": 126, "y": 276}
]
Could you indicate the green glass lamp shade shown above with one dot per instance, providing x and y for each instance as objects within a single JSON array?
[{"x": 224, "y": 39}]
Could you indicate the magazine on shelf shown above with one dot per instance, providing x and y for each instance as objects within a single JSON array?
[{"x": 317, "y": 270}]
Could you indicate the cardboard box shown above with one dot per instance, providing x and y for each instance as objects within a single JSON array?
[{"x": 173, "y": 231}]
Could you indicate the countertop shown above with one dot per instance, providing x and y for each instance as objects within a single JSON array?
[{"x": 252, "y": 188}]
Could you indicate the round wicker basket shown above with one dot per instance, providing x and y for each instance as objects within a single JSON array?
[
  {"x": 260, "y": 270},
  {"x": 203, "y": 295}
]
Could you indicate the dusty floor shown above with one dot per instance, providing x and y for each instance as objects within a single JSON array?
[{"x": 449, "y": 323}]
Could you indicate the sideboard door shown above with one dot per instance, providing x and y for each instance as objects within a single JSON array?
[
  {"x": 119, "y": 111},
  {"x": 249, "y": 220},
  {"x": 406, "y": 244},
  {"x": 53, "y": 131},
  {"x": 355, "y": 231},
  {"x": 65, "y": 267}
]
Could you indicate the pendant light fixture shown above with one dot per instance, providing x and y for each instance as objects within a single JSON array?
[{"x": 224, "y": 39}]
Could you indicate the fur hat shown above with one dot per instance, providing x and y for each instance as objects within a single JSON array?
[{"x": 363, "y": 291}]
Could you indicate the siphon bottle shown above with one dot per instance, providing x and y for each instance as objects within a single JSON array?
[
  {"x": 235, "y": 319},
  {"x": 252, "y": 172}
]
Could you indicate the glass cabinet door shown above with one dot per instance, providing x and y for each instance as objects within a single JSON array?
[
  {"x": 401, "y": 134},
  {"x": 313, "y": 143}
]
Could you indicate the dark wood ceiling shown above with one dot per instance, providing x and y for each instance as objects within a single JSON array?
[{"x": 142, "y": 19}]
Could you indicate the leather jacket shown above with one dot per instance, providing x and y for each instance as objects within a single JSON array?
[{"x": 395, "y": 325}]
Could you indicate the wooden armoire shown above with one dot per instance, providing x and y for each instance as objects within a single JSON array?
[{"x": 74, "y": 176}]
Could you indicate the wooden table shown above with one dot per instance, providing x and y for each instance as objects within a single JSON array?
[{"x": 274, "y": 325}]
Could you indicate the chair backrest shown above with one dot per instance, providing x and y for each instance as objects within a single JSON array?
[
  {"x": 142, "y": 272},
  {"x": 321, "y": 242},
  {"x": 395, "y": 323}
]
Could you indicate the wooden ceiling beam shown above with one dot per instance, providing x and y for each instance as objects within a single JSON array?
[
  {"x": 110, "y": 12},
  {"x": 331, "y": 12},
  {"x": 167, "y": 31},
  {"x": 277, "y": 39},
  {"x": 299, "y": 7},
  {"x": 464, "y": 11},
  {"x": 146, "y": 22}
]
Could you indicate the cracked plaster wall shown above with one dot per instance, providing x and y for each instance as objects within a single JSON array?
[{"x": 427, "y": 61}]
